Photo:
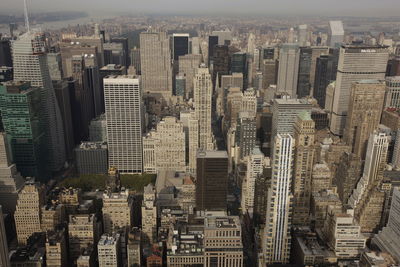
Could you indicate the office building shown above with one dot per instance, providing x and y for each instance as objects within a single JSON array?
[
  {"x": 224, "y": 36},
  {"x": 276, "y": 237},
  {"x": 5, "y": 53},
  {"x": 212, "y": 42},
  {"x": 255, "y": 164},
  {"x": 321, "y": 202},
  {"x": 356, "y": 62},
  {"x": 109, "y": 251},
  {"x": 316, "y": 52},
  {"x": 245, "y": 133},
  {"x": 321, "y": 177},
  {"x": 202, "y": 103},
  {"x": 52, "y": 214},
  {"x": 212, "y": 180},
  {"x": 285, "y": 112},
  {"x": 304, "y": 156},
  {"x": 30, "y": 65},
  {"x": 335, "y": 34},
  {"x": 114, "y": 53},
  {"x": 220, "y": 63},
  {"x": 325, "y": 73},
  {"x": 288, "y": 71},
  {"x": 188, "y": 64},
  {"x": 55, "y": 66},
  {"x": 155, "y": 63},
  {"x": 134, "y": 253},
  {"x": 387, "y": 238},
  {"x": 168, "y": 142},
  {"x": 91, "y": 158},
  {"x": 26, "y": 136},
  {"x": 392, "y": 99},
  {"x": 10, "y": 179},
  {"x": 6, "y": 74},
  {"x": 83, "y": 232},
  {"x": 228, "y": 250},
  {"x": 180, "y": 84},
  {"x": 343, "y": 235},
  {"x": 88, "y": 257},
  {"x": 304, "y": 75},
  {"x": 56, "y": 249},
  {"x": 149, "y": 215},
  {"x": 348, "y": 173},
  {"x": 4, "y": 259},
  {"x": 117, "y": 211},
  {"x": 125, "y": 47},
  {"x": 31, "y": 254},
  {"x": 28, "y": 212},
  {"x": 364, "y": 113},
  {"x": 124, "y": 123},
  {"x": 135, "y": 59},
  {"x": 239, "y": 64},
  {"x": 180, "y": 45}
]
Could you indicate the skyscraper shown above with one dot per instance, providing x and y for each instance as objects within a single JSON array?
[
  {"x": 364, "y": 113},
  {"x": 335, "y": 34},
  {"x": 304, "y": 131},
  {"x": 212, "y": 42},
  {"x": 188, "y": 65},
  {"x": 239, "y": 65},
  {"x": 246, "y": 133},
  {"x": 30, "y": 65},
  {"x": 5, "y": 53},
  {"x": 356, "y": 62},
  {"x": 289, "y": 59},
  {"x": 180, "y": 45},
  {"x": 212, "y": 180},
  {"x": 304, "y": 81},
  {"x": 202, "y": 105},
  {"x": 124, "y": 123},
  {"x": 23, "y": 119},
  {"x": 221, "y": 62},
  {"x": 155, "y": 62},
  {"x": 276, "y": 236}
]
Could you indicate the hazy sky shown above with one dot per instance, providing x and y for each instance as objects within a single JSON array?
[{"x": 289, "y": 7}]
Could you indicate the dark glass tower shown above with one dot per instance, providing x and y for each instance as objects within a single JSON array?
[
  {"x": 212, "y": 180},
  {"x": 180, "y": 45},
  {"x": 303, "y": 83},
  {"x": 239, "y": 65},
  {"x": 212, "y": 42}
]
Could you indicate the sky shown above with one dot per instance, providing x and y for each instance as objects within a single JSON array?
[{"x": 376, "y": 8}]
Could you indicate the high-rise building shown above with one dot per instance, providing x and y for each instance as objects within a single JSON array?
[
  {"x": 11, "y": 180},
  {"x": 124, "y": 123},
  {"x": 28, "y": 213},
  {"x": 321, "y": 177},
  {"x": 114, "y": 53},
  {"x": 202, "y": 104},
  {"x": 285, "y": 111},
  {"x": 364, "y": 113},
  {"x": 135, "y": 59},
  {"x": 276, "y": 235},
  {"x": 117, "y": 210},
  {"x": 336, "y": 33},
  {"x": 245, "y": 133},
  {"x": 5, "y": 53},
  {"x": 255, "y": 164},
  {"x": 23, "y": 120},
  {"x": 348, "y": 173},
  {"x": 30, "y": 65},
  {"x": 149, "y": 214},
  {"x": 223, "y": 241},
  {"x": 52, "y": 214},
  {"x": 289, "y": 58},
  {"x": 224, "y": 36},
  {"x": 212, "y": 180},
  {"x": 83, "y": 232},
  {"x": 304, "y": 135},
  {"x": 91, "y": 158},
  {"x": 6, "y": 74},
  {"x": 239, "y": 64},
  {"x": 212, "y": 42},
  {"x": 356, "y": 62},
  {"x": 387, "y": 239},
  {"x": 109, "y": 250},
  {"x": 55, "y": 66},
  {"x": 155, "y": 61},
  {"x": 367, "y": 198},
  {"x": 304, "y": 75},
  {"x": 188, "y": 64},
  {"x": 180, "y": 45},
  {"x": 392, "y": 99},
  {"x": 325, "y": 73},
  {"x": 4, "y": 259},
  {"x": 220, "y": 62}
]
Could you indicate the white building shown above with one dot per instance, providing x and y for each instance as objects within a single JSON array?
[
  {"x": 276, "y": 236},
  {"x": 202, "y": 104},
  {"x": 356, "y": 62},
  {"x": 392, "y": 92},
  {"x": 289, "y": 58},
  {"x": 30, "y": 65},
  {"x": 336, "y": 33},
  {"x": 122, "y": 98},
  {"x": 108, "y": 250}
]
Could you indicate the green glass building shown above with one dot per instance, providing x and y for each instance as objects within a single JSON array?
[{"x": 22, "y": 119}]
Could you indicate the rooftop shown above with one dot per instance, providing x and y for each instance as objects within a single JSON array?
[{"x": 212, "y": 154}]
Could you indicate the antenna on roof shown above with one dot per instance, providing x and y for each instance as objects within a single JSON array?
[{"x": 26, "y": 15}]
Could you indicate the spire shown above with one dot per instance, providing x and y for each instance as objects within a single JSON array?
[{"x": 26, "y": 16}]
